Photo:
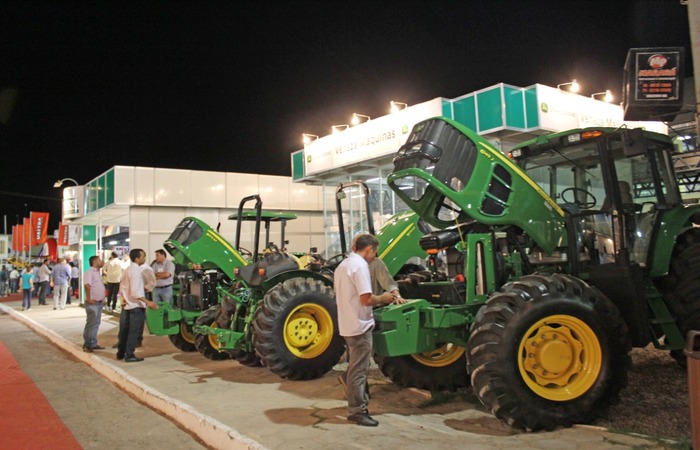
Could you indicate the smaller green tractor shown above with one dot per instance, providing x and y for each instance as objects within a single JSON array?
[{"x": 210, "y": 261}]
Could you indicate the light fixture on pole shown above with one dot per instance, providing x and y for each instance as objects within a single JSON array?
[
  {"x": 59, "y": 183},
  {"x": 607, "y": 95},
  {"x": 397, "y": 106},
  {"x": 357, "y": 117},
  {"x": 573, "y": 86},
  {"x": 339, "y": 128},
  {"x": 308, "y": 138}
]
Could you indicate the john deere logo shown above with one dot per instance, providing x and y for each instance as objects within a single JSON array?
[
  {"x": 544, "y": 108},
  {"x": 404, "y": 129},
  {"x": 308, "y": 159}
]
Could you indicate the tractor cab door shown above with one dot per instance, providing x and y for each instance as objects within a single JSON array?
[{"x": 641, "y": 186}]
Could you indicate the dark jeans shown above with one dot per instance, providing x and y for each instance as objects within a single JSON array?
[
  {"x": 131, "y": 322},
  {"x": 112, "y": 291},
  {"x": 44, "y": 291},
  {"x": 26, "y": 298}
]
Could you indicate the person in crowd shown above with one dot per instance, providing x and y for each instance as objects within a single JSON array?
[
  {"x": 60, "y": 277},
  {"x": 113, "y": 273},
  {"x": 165, "y": 273},
  {"x": 74, "y": 280},
  {"x": 37, "y": 286},
  {"x": 94, "y": 301},
  {"x": 43, "y": 280},
  {"x": 354, "y": 297},
  {"x": 27, "y": 286},
  {"x": 149, "y": 283},
  {"x": 4, "y": 278},
  {"x": 134, "y": 303},
  {"x": 14, "y": 280}
]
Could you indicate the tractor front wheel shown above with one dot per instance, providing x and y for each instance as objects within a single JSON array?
[
  {"x": 295, "y": 331},
  {"x": 443, "y": 369},
  {"x": 208, "y": 344},
  {"x": 548, "y": 351},
  {"x": 184, "y": 339}
]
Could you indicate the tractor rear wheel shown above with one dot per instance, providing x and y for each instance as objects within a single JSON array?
[
  {"x": 184, "y": 339},
  {"x": 681, "y": 287},
  {"x": 548, "y": 351},
  {"x": 444, "y": 369},
  {"x": 208, "y": 344},
  {"x": 295, "y": 330}
]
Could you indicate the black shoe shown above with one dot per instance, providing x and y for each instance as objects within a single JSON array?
[
  {"x": 87, "y": 349},
  {"x": 363, "y": 419},
  {"x": 120, "y": 357},
  {"x": 97, "y": 347},
  {"x": 133, "y": 359}
]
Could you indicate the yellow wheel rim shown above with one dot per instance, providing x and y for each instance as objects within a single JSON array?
[
  {"x": 213, "y": 339},
  {"x": 560, "y": 358},
  {"x": 186, "y": 332},
  {"x": 308, "y": 330},
  {"x": 441, "y": 356}
]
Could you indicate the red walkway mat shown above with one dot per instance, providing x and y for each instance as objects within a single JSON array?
[{"x": 28, "y": 419}]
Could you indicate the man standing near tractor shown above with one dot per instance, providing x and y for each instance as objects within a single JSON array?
[{"x": 353, "y": 290}]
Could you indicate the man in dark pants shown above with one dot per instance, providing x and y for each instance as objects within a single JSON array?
[
  {"x": 354, "y": 297},
  {"x": 132, "y": 317}
]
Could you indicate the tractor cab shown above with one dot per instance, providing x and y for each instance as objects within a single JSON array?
[{"x": 612, "y": 183}]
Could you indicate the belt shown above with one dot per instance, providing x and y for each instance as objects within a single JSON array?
[{"x": 167, "y": 285}]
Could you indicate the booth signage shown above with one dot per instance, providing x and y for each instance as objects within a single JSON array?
[{"x": 373, "y": 139}]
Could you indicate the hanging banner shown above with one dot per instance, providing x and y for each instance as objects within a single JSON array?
[
  {"x": 40, "y": 222},
  {"x": 20, "y": 238},
  {"x": 27, "y": 239},
  {"x": 63, "y": 230},
  {"x": 14, "y": 237}
]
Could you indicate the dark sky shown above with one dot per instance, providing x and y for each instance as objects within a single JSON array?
[{"x": 231, "y": 86}]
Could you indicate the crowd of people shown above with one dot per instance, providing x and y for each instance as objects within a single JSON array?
[{"x": 126, "y": 285}]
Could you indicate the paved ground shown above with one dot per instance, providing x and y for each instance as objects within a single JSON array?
[{"x": 226, "y": 405}]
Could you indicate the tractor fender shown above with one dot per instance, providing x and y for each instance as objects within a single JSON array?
[
  {"x": 299, "y": 273},
  {"x": 672, "y": 224}
]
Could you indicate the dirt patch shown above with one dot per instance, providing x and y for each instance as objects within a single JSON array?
[{"x": 655, "y": 401}]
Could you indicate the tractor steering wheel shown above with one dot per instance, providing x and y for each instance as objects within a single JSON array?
[
  {"x": 245, "y": 252},
  {"x": 584, "y": 204}
]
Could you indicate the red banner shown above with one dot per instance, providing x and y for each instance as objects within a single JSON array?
[
  {"x": 18, "y": 243},
  {"x": 63, "y": 234},
  {"x": 27, "y": 239},
  {"x": 40, "y": 222}
]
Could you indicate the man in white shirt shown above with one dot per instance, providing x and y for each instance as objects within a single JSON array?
[
  {"x": 133, "y": 315},
  {"x": 94, "y": 298},
  {"x": 353, "y": 293}
]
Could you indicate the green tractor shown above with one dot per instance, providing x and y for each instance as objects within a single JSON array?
[
  {"x": 557, "y": 260},
  {"x": 210, "y": 261},
  {"x": 283, "y": 316}
]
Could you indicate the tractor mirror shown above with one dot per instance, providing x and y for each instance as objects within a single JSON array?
[{"x": 633, "y": 143}]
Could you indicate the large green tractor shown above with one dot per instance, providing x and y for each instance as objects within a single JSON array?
[
  {"x": 557, "y": 260},
  {"x": 210, "y": 262}
]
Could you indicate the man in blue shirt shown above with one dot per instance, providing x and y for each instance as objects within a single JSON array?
[{"x": 60, "y": 279}]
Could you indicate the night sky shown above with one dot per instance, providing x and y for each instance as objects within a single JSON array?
[{"x": 231, "y": 86}]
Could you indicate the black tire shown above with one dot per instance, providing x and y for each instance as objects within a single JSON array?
[
  {"x": 208, "y": 344},
  {"x": 444, "y": 369},
  {"x": 295, "y": 330},
  {"x": 681, "y": 287},
  {"x": 248, "y": 359},
  {"x": 548, "y": 351},
  {"x": 184, "y": 340}
]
